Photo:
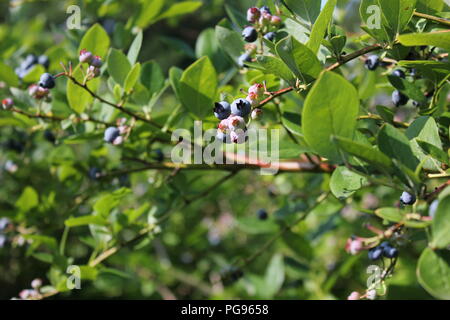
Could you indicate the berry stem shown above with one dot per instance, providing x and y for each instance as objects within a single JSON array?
[{"x": 432, "y": 18}]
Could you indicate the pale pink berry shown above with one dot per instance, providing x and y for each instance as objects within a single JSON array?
[
  {"x": 118, "y": 140},
  {"x": 85, "y": 56},
  {"x": 93, "y": 72},
  {"x": 265, "y": 19},
  {"x": 7, "y": 103},
  {"x": 27, "y": 294},
  {"x": 253, "y": 99},
  {"x": 236, "y": 122},
  {"x": 36, "y": 283},
  {"x": 276, "y": 20},
  {"x": 224, "y": 125},
  {"x": 257, "y": 89},
  {"x": 354, "y": 296},
  {"x": 256, "y": 113},
  {"x": 371, "y": 294},
  {"x": 354, "y": 246},
  {"x": 33, "y": 89},
  {"x": 238, "y": 136}
]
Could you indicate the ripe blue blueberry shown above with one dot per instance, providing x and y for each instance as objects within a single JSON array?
[
  {"x": 262, "y": 214},
  {"x": 111, "y": 134},
  {"x": 44, "y": 61},
  {"x": 29, "y": 61},
  {"x": 372, "y": 62},
  {"x": 250, "y": 34},
  {"x": 399, "y": 73},
  {"x": 158, "y": 155},
  {"x": 243, "y": 59},
  {"x": 265, "y": 9},
  {"x": 399, "y": 99},
  {"x": 94, "y": 173},
  {"x": 241, "y": 107},
  {"x": 271, "y": 36},
  {"x": 390, "y": 252},
  {"x": 222, "y": 110},
  {"x": 49, "y": 136},
  {"x": 4, "y": 222},
  {"x": 375, "y": 253},
  {"x": 47, "y": 81},
  {"x": 407, "y": 198}
]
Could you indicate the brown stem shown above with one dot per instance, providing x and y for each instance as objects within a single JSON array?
[{"x": 432, "y": 18}]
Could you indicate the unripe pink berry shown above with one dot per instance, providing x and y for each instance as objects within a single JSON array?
[
  {"x": 256, "y": 113},
  {"x": 36, "y": 283},
  {"x": 85, "y": 56},
  {"x": 257, "y": 89},
  {"x": 7, "y": 103},
  {"x": 253, "y": 14},
  {"x": 236, "y": 122},
  {"x": 354, "y": 246},
  {"x": 354, "y": 296},
  {"x": 265, "y": 19},
  {"x": 276, "y": 21}
]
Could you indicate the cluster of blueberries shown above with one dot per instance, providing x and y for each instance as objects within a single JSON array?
[
  {"x": 30, "y": 61},
  {"x": 94, "y": 63},
  {"x": 263, "y": 22},
  {"x": 383, "y": 250},
  {"x": 398, "y": 98},
  {"x": 232, "y": 127}
]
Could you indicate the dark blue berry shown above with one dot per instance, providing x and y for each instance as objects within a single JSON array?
[
  {"x": 271, "y": 36},
  {"x": 158, "y": 155},
  {"x": 399, "y": 73},
  {"x": 47, "y": 81},
  {"x": 241, "y": 107},
  {"x": 375, "y": 253},
  {"x": 44, "y": 61},
  {"x": 250, "y": 34},
  {"x": 243, "y": 59},
  {"x": 262, "y": 214},
  {"x": 399, "y": 99},
  {"x": 222, "y": 110},
  {"x": 49, "y": 136},
  {"x": 372, "y": 62},
  {"x": 265, "y": 9},
  {"x": 390, "y": 252},
  {"x": 94, "y": 173},
  {"x": 407, "y": 198},
  {"x": 111, "y": 134}
]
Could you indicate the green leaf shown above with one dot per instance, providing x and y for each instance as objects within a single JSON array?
[
  {"x": 149, "y": 12},
  {"x": 393, "y": 16},
  {"x": 96, "y": 40},
  {"x": 390, "y": 214},
  {"x": 430, "y": 6},
  {"x": 433, "y": 70},
  {"x": 132, "y": 77},
  {"x": 78, "y": 97},
  {"x": 299, "y": 58},
  {"x": 345, "y": 183},
  {"x": 306, "y": 10},
  {"x": 395, "y": 144},
  {"x": 298, "y": 244},
  {"x": 198, "y": 86},
  {"x": 118, "y": 66},
  {"x": 230, "y": 41},
  {"x": 254, "y": 226},
  {"x": 28, "y": 200},
  {"x": 433, "y": 273},
  {"x": 434, "y": 151},
  {"x": 275, "y": 66},
  {"x": 152, "y": 77},
  {"x": 174, "y": 78},
  {"x": 85, "y": 220},
  {"x": 424, "y": 129},
  {"x": 274, "y": 277},
  {"x": 180, "y": 8},
  {"x": 135, "y": 48},
  {"x": 34, "y": 74},
  {"x": 364, "y": 152},
  {"x": 8, "y": 75},
  {"x": 441, "y": 225},
  {"x": 321, "y": 25},
  {"x": 408, "y": 88},
  {"x": 88, "y": 273},
  {"x": 439, "y": 39},
  {"x": 331, "y": 109}
]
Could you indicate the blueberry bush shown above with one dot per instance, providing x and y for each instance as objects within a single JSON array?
[{"x": 355, "y": 96}]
